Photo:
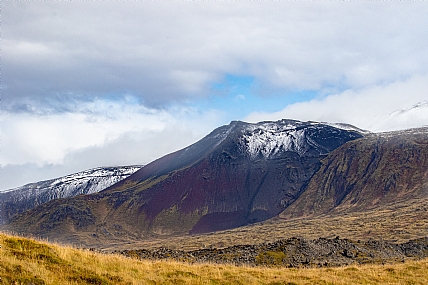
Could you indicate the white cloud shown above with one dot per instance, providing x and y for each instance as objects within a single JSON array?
[
  {"x": 97, "y": 133},
  {"x": 414, "y": 117},
  {"x": 240, "y": 97},
  {"x": 150, "y": 50},
  {"x": 46, "y": 138},
  {"x": 65, "y": 63},
  {"x": 364, "y": 108}
]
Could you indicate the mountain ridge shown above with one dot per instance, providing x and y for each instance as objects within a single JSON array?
[
  {"x": 378, "y": 169},
  {"x": 241, "y": 174},
  {"x": 16, "y": 200},
  {"x": 238, "y": 174}
]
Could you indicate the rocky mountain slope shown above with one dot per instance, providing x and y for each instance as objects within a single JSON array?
[
  {"x": 367, "y": 173},
  {"x": 239, "y": 174},
  {"x": 307, "y": 175},
  {"x": 18, "y": 200}
]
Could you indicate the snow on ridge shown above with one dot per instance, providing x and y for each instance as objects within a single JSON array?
[
  {"x": 100, "y": 172},
  {"x": 84, "y": 182},
  {"x": 413, "y": 117},
  {"x": 346, "y": 127},
  {"x": 411, "y": 131},
  {"x": 269, "y": 138}
]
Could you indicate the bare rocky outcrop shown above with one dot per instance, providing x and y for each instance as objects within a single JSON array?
[{"x": 296, "y": 252}]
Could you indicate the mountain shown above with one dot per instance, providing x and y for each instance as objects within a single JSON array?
[
  {"x": 365, "y": 174},
  {"x": 239, "y": 174},
  {"x": 413, "y": 117},
  {"x": 18, "y": 200}
]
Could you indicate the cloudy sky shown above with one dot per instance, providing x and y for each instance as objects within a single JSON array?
[{"x": 92, "y": 83}]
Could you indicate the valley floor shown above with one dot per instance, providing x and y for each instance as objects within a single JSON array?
[
  {"x": 28, "y": 261},
  {"x": 395, "y": 223}
]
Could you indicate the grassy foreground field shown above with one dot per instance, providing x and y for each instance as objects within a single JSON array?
[{"x": 32, "y": 262}]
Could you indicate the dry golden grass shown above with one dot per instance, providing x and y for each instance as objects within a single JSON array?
[{"x": 27, "y": 261}]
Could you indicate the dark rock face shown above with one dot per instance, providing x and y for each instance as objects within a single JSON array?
[
  {"x": 239, "y": 174},
  {"x": 296, "y": 252},
  {"x": 366, "y": 173}
]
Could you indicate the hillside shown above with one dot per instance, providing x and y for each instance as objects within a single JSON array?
[
  {"x": 395, "y": 223},
  {"x": 239, "y": 174},
  {"x": 365, "y": 174},
  {"x": 20, "y": 199},
  {"x": 255, "y": 183},
  {"x": 28, "y": 261},
  {"x": 397, "y": 215}
]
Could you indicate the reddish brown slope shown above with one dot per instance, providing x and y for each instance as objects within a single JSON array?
[{"x": 367, "y": 173}]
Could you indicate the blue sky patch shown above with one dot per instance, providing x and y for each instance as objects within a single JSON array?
[{"x": 240, "y": 95}]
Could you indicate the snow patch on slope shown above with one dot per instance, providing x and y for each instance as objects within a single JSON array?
[
  {"x": 270, "y": 138},
  {"x": 17, "y": 200},
  {"x": 346, "y": 127},
  {"x": 85, "y": 182}
]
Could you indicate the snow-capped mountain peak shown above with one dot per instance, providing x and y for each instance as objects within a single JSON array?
[
  {"x": 267, "y": 139},
  {"x": 94, "y": 180}
]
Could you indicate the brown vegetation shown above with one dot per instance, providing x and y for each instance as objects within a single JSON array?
[
  {"x": 394, "y": 222},
  {"x": 27, "y": 261}
]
